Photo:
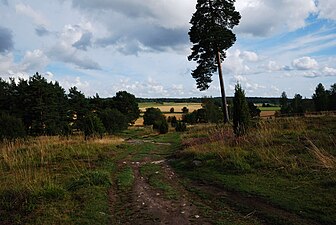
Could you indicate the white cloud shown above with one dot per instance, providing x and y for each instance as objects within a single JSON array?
[
  {"x": 273, "y": 66},
  {"x": 248, "y": 85},
  {"x": 327, "y": 9},
  {"x": 328, "y": 71},
  {"x": 305, "y": 63},
  {"x": 34, "y": 61},
  {"x": 310, "y": 74},
  {"x": 65, "y": 50},
  {"x": 268, "y": 17},
  {"x": 28, "y": 11},
  {"x": 235, "y": 62},
  {"x": 250, "y": 56}
]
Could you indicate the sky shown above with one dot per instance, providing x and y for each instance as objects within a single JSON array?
[{"x": 105, "y": 46}]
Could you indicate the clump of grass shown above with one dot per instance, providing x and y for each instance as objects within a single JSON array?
[
  {"x": 325, "y": 159},
  {"x": 125, "y": 179},
  {"x": 90, "y": 178}
]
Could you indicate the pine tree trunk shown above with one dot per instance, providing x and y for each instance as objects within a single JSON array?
[{"x": 221, "y": 80}]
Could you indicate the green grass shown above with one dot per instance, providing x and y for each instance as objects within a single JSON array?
[
  {"x": 290, "y": 163},
  {"x": 156, "y": 179},
  {"x": 51, "y": 180},
  {"x": 125, "y": 179}
]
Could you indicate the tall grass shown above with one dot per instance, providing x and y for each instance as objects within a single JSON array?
[
  {"x": 47, "y": 180},
  {"x": 280, "y": 143},
  {"x": 34, "y": 162}
]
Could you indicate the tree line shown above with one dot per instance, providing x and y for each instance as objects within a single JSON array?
[
  {"x": 322, "y": 100},
  {"x": 38, "y": 107}
]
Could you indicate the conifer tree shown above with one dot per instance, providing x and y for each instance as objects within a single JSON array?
[
  {"x": 211, "y": 35},
  {"x": 241, "y": 114}
]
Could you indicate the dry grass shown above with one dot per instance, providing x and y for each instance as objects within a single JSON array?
[
  {"x": 165, "y": 107},
  {"x": 324, "y": 159},
  {"x": 35, "y": 162},
  {"x": 273, "y": 143}
]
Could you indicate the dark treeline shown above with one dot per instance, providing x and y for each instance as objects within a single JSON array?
[
  {"x": 273, "y": 101},
  {"x": 255, "y": 100},
  {"x": 322, "y": 100},
  {"x": 38, "y": 107}
]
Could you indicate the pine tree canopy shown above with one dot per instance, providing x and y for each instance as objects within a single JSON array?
[{"x": 211, "y": 32}]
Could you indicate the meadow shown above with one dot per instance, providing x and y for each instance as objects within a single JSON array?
[{"x": 282, "y": 172}]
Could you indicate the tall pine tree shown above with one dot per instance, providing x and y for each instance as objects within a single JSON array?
[{"x": 211, "y": 35}]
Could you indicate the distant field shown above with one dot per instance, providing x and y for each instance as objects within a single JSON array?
[
  {"x": 166, "y": 106},
  {"x": 274, "y": 108}
]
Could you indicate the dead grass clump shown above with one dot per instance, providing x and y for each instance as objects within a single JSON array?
[{"x": 325, "y": 159}]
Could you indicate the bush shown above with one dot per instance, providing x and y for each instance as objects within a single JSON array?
[
  {"x": 190, "y": 118},
  {"x": 113, "y": 120},
  {"x": 161, "y": 125},
  {"x": 241, "y": 114},
  {"x": 173, "y": 121},
  {"x": 185, "y": 110},
  {"x": 151, "y": 115},
  {"x": 180, "y": 126},
  {"x": 11, "y": 127}
]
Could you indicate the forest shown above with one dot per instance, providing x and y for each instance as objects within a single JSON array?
[{"x": 37, "y": 107}]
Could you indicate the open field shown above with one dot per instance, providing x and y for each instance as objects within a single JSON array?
[
  {"x": 282, "y": 172},
  {"x": 275, "y": 108},
  {"x": 166, "y": 106}
]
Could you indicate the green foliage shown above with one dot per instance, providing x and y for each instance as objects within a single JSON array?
[
  {"x": 161, "y": 125},
  {"x": 191, "y": 118},
  {"x": 284, "y": 103},
  {"x": 210, "y": 33},
  {"x": 253, "y": 109},
  {"x": 296, "y": 105},
  {"x": 185, "y": 110},
  {"x": 11, "y": 127},
  {"x": 151, "y": 115},
  {"x": 113, "y": 120},
  {"x": 320, "y": 98},
  {"x": 79, "y": 107},
  {"x": 180, "y": 126},
  {"x": 92, "y": 126},
  {"x": 241, "y": 114},
  {"x": 173, "y": 121},
  {"x": 332, "y": 97},
  {"x": 212, "y": 111},
  {"x": 126, "y": 103}
]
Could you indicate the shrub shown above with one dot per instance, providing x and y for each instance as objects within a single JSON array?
[
  {"x": 241, "y": 114},
  {"x": 180, "y": 126},
  {"x": 161, "y": 125},
  {"x": 151, "y": 115},
  {"x": 114, "y": 121},
  {"x": 185, "y": 110},
  {"x": 173, "y": 121}
]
